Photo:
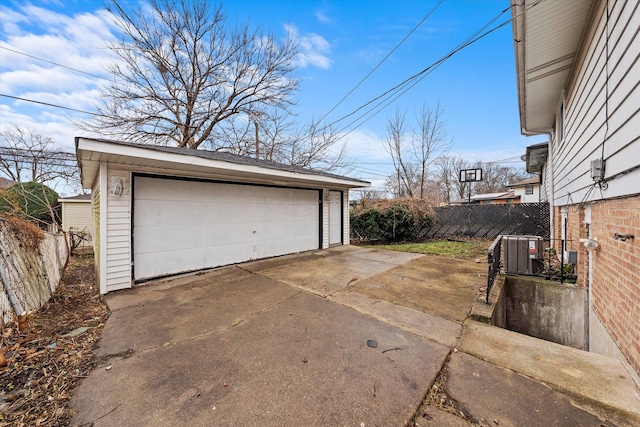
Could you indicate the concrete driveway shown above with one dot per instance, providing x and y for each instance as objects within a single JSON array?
[
  {"x": 273, "y": 342},
  {"x": 342, "y": 337}
]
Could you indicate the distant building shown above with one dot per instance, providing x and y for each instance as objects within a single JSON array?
[
  {"x": 76, "y": 215},
  {"x": 527, "y": 190},
  {"x": 5, "y": 182},
  {"x": 499, "y": 198}
]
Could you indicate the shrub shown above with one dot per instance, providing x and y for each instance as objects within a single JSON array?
[
  {"x": 391, "y": 220},
  {"x": 32, "y": 201}
]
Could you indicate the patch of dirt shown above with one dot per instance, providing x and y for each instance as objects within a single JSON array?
[{"x": 39, "y": 366}]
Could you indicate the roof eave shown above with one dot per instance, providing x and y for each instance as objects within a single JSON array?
[
  {"x": 536, "y": 157},
  {"x": 85, "y": 147}
]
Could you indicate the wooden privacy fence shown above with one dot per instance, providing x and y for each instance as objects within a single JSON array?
[
  {"x": 29, "y": 273},
  {"x": 491, "y": 220}
]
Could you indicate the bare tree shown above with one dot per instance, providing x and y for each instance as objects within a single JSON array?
[
  {"x": 397, "y": 146},
  {"x": 448, "y": 170},
  {"x": 182, "y": 72},
  {"x": 497, "y": 178},
  {"x": 413, "y": 155},
  {"x": 429, "y": 141},
  {"x": 26, "y": 155}
]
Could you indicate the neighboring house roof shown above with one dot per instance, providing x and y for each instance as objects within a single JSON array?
[
  {"x": 547, "y": 36},
  {"x": 91, "y": 152},
  {"x": 524, "y": 183},
  {"x": 77, "y": 199},
  {"x": 487, "y": 196},
  {"x": 5, "y": 182}
]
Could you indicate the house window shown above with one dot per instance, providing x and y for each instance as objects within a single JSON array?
[{"x": 528, "y": 190}]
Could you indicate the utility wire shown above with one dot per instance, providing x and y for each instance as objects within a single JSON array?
[
  {"x": 400, "y": 89},
  {"x": 382, "y": 61},
  {"x": 478, "y": 35},
  {"x": 51, "y": 105},
  {"x": 53, "y": 63}
]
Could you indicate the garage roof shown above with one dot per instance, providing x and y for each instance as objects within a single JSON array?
[
  {"x": 218, "y": 165},
  {"x": 547, "y": 36}
]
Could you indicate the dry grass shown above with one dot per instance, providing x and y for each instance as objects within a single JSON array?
[{"x": 459, "y": 248}]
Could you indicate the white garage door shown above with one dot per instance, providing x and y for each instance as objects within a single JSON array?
[{"x": 182, "y": 225}]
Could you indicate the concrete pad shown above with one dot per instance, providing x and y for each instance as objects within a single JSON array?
[
  {"x": 433, "y": 328},
  {"x": 598, "y": 381},
  {"x": 326, "y": 276},
  {"x": 499, "y": 396},
  {"x": 440, "y": 286},
  {"x": 271, "y": 263},
  {"x": 304, "y": 361},
  {"x": 391, "y": 257},
  {"x": 162, "y": 288},
  {"x": 191, "y": 313}
]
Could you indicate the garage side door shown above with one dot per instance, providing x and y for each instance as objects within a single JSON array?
[{"x": 184, "y": 225}]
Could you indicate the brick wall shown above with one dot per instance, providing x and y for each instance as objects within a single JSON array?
[
  {"x": 576, "y": 230},
  {"x": 615, "y": 293}
]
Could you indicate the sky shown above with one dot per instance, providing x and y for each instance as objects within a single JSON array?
[{"x": 340, "y": 43}]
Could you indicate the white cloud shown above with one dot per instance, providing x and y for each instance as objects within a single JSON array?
[
  {"x": 314, "y": 49},
  {"x": 76, "y": 41},
  {"x": 323, "y": 16}
]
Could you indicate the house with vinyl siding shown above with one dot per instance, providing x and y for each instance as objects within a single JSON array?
[
  {"x": 76, "y": 215},
  {"x": 578, "y": 76}
]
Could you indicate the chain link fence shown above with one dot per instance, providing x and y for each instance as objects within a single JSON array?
[{"x": 490, "y": 221}]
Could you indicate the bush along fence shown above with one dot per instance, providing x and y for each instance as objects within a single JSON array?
[
  {"x": 398, "y": 220},
  {"x": 31, "y": 266},
  {"x": 391, "y": 220}
]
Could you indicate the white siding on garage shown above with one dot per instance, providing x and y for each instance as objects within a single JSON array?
[
  {"x": 185, "y": 225},
  {"x": 346, "y": 216},
  {"x": 585, "y": 124},
  {"x": 118, "y": 256},
  {"x": 95, "y": 206}
]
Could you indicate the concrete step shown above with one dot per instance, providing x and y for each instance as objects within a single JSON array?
[{"x": 598, "y": 383}]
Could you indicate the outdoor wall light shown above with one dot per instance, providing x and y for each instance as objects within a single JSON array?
[
  {"x": 117, "y": 187},
  {"x": 590, "y": 244}
]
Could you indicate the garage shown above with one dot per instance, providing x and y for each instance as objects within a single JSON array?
[
  {"x": 185, "y": 225},
  {"x": 161, "y": 211}
]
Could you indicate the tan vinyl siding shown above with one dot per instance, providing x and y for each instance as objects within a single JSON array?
[
  {"x": 585, "y": 123},
  {"x": 118, "y": 237},
  {"x": 77, "y": 216}
]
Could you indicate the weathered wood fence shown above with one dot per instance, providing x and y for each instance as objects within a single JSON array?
[{"x": 29, "y": 271}]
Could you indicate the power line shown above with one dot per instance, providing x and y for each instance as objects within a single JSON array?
[
  {"x": 389, "y": 94},
  {"x": 400, "y": 89},
  {"x": 53, "y": 63},
  {"x": 383, "y": 59},
  {"x": 50, "y": 105}
]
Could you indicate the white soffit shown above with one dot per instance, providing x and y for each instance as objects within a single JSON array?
[{"x": 547, "y": 37}]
